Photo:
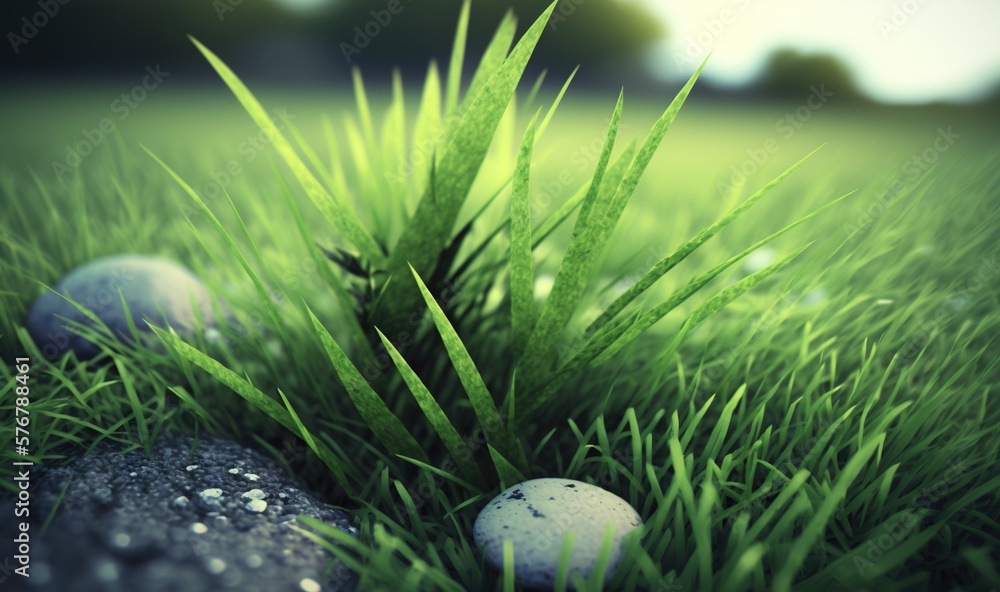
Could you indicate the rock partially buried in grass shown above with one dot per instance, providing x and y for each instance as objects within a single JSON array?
[
  {"x": 155, "y": 290},
  {"x": 537, "y": 515}
]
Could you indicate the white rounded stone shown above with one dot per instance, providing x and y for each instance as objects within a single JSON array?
[
  {"x": 537, "y": 515},
  {"x": 155, "y": 290}
]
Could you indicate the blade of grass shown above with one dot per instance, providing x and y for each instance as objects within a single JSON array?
[
  {"x": 389, "y": 430},
  {"x": 457, "y": 448},
  {"x": 669, "y": 262},
  {"x": 612, "y": 178},
  {"x": 457, "y": 59},
  {"x": 508, "y": 473},
  {"x": 341, "y": 218},
  {"x": 429, "y": 230},
  {"x": 479, "y": 395},
  {"x": 254, "y": 396},
  {"x": 574, "y": 271},
  {"x": 493, "y": 57},
  {"x": 798, "y": 551},
  {"x": 710, "y": 307},
  {"x": 522, "y": 277}
]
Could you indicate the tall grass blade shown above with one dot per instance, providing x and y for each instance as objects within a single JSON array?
[
  {"x": 429, "y": 230},
  {"x": 340, "y": 217},
  {"x": 522, "y": 277},
  {"x": 457, "y": 448},
  {"x": 389, "y": 430},
  {"x": 479, "y": 395},
  {"x": 575, "y": 270}
]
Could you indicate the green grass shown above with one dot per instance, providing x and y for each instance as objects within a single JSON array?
[{"x": 782, "y": 391}]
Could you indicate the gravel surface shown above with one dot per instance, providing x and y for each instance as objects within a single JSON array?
[{"x": 217, "y": 519}]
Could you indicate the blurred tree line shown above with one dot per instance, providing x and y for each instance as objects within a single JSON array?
[{"x": 115, "y": 37}]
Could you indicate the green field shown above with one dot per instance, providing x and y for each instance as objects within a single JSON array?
[{"x": 832, "y": 428}]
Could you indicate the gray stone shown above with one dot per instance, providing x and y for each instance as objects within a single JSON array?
[
  {"x": 537, "y": 515},
  {"x": 116, "y": 533},
  {"x": 156, "y": 290}
]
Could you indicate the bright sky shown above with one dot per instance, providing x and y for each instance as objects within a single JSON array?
[{"x": 901, "y": 51}]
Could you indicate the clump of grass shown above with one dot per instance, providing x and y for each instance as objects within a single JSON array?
[{"x": 428, "y": 244}]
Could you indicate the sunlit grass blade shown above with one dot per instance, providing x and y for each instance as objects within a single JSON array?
[
  {"x": 457, "y": 448},
  {"x": 707, "y": 309},
  {"x": 522, "y": 277},
  {"x": 479, "y": 395},
  {"x": 258, "y": 284},
  {"x": 389, "y": 430},
  {"x": 341, "y": 218},
  {"x": 493, "y": 57},
  {"x": 429, "y": 230},
  {"x": 612, "y": 178},
  {"x": 363, "y": 107},
  {"x": 663, "y": 266},
  {"x": 427, "y": 130},
  {"x": 457, "y": 61},
  {"x": 555, "y": 103},
  {"x": 576, "y": 267}
]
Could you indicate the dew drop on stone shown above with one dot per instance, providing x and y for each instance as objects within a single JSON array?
[
  {"x": 106, "y": 571},
  {"x": 215, "y": 566}
]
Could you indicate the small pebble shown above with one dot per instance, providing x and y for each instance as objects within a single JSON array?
[
  {"x": 254, "y": 494},
  {"x": 154, "y": 289},
  {"x": 211, "y": 493},
  {"x": 191, "y": 467},
  {"x": 199, "y": 528},
  {"x": 257, "y": 505},
  {"x": 251, "y": 477},
  {"x": 181, "y": 502},
  {"x": 536, "y": 515}
]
